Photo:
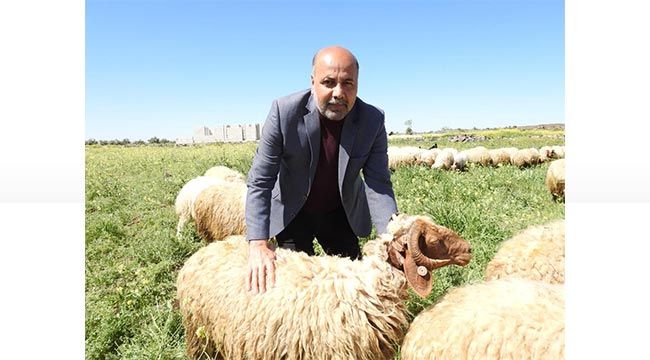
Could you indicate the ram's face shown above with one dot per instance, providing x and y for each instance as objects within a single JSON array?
[
  {"x": 443, "y": 243},
  {"x": 423, "y": 247}
]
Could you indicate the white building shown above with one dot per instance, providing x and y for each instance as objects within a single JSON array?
[
  {"x": 222, "y": 133},
  {"x": 234, "y": 133},
  {"x": 251, "y": 132}
]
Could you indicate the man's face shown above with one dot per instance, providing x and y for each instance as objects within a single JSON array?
[{"x": 334, "y": 82}]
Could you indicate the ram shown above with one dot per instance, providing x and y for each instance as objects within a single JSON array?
[{"x": 321, "y": 307}]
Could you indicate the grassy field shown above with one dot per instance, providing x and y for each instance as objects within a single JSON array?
[{"x": 133, "y": 255}]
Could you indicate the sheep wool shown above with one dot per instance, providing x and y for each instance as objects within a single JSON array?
[
  {"x": 460, "y": 161},
  {"x": 185, "y": 199},
  {"x": 556, "y": 178},
  {"x": 499, "y": 157},
  {"x": 428, "y": 157},
  {"x": 219, "y": 211},
  {"x": 536, "y": 253},
  {"x": 525, "y": 157},
  {"x": 225, "y": 173},
  {"x": 511, "y": 151},
  {"x": 478, "y": 155},
  {"x": 444, "y": 160},
  {"x": 337, "y": 308},
  {"x": 321, "y": 307},
  {"x": 546, "y": 153},
  {"x": 499, "y": 319},
  {"x": 402, "y": 156}
]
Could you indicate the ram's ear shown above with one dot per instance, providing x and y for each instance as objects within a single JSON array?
[
  {"x": 419, "y": 278},
  {"x": 395, "y": 258}
]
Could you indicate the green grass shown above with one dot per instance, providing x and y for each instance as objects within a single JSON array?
[
  {"x": 494, "y": 138},
  {"x": 133, "y": 255}
]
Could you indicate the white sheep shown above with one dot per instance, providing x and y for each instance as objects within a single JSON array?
[
  {"x": 445, "y": 159},
  {"x": 546, "y": 153},
  {"x": 428, "y": 157},
  {"x": 321, "y": 307},
  {"x": 525, "y": 157},
  {"x": 511, "y": 151},
  {"x": 478, "y": 155},
  {"x": 499, "y": 157},
  {"x": 219, "y": 211},
  {"x": 499, "y": 319},
  {"x": 402, "y": 156},
  {"x": 187, "y": 195},
  {"x": 460, "y": 161},
  {"x": 536, "y": 253},
  {"x": 225, "y": 173},
  {"x": 556, "y": 178},
  {"x": 559, "y": 151}
]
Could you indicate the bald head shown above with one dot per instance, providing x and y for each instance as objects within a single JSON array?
[
  {"x": 338, "y": 52},
  {"x": 334, "y": 81}
]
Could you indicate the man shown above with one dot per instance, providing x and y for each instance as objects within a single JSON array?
[{"x": 304, "y": 181}]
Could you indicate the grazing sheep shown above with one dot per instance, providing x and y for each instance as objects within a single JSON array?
[
  {"x": 402, "y": 156},
  {"x": 428, "y": 157},
  {"x": 534, "y": 156},
  {"x": 186, "y": 197},
  {"x": 525, "y": 157},
  {"x": 546, "y": 153},
  {"x": 460, "y": 161},
  {"x": 219, "y": 211},
  {"x": 559, "y": 151},
  {"x": 555, "y": 178},
  {"x": 499, "y": 157},
  {"x": 499, "y": 319},
  {"x": 511, "y": 151},
  {"x": 536, "y": 253},
  {"x": 225, "y": 173},
  {"x": 478, "y": 155},
  {"x": 321, "y": 307},
  {"x": 445, "y": 159}
]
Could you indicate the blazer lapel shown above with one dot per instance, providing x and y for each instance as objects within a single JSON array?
[
  {"x": 312, "y": 128},
  {"x": 348, "y": 134}
]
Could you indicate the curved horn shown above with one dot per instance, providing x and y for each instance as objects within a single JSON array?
[{"x": 414, "y": 246}]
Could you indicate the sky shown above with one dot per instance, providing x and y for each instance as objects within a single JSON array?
[{"x": 163, "y": 68}]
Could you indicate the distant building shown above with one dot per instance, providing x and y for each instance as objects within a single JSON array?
[
  {"x": 234, "y": 133},
  {"x": 202, "y": 131},
  {"x": 251, "y": 132},
  {"x": 222, "y": 133},
  {"x": 219, "y": 133}
]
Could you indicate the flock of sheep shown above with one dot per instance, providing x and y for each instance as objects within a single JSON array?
[
  {"x": 328, "y": 307},
  {"x": 452, "y": 159}
]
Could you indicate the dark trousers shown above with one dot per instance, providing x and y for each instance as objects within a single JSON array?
[{"x": 331, "y": 229}]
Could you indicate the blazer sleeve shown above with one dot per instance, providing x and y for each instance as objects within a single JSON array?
[
  {"x": 262, "y": 177},
  {"x": 379, "y": 189}
]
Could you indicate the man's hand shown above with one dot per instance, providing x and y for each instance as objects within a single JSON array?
[{"x": 261, "y": 266}]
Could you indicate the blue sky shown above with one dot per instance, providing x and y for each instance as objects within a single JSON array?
[{"x": 163, "y": 68}]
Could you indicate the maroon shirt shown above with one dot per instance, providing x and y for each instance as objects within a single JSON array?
[{"x": 324, "y": 195}]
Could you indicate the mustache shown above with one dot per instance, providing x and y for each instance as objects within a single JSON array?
[{"x": 337, "y": 102}]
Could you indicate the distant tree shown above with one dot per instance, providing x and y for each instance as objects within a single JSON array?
[
  {"x": 103, "y": 142},
  {"x": 154, "y": 140},
  {"x": 165, "y": 141},
  {"x": 125, "y": 141},
  {"x": 139, "y": 142},
  {"x": 408, "y": 124},
  {"x": 91, "y": 141}
]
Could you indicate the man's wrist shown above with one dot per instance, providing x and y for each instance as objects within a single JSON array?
[{"x": 258, "y": 242}]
